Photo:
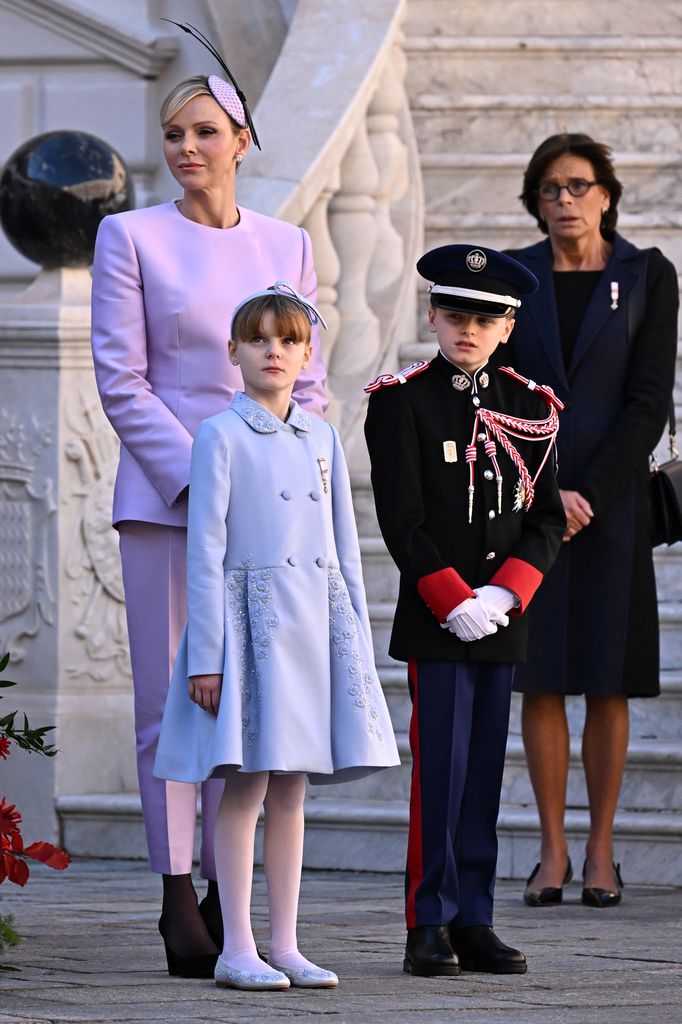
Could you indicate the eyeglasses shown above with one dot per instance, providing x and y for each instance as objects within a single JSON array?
[{"x": 575, "y": 187}]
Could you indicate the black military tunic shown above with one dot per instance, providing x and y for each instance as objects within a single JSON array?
[{"x": 422, "y": 503}]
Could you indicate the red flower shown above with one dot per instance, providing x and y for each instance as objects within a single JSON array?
[
  {"x": 13, "y": 868},
  {"x": 10, "y": 820},
  {"x": 4, "y": 747}
]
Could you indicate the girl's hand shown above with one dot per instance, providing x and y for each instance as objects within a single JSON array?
[
  {"x": 578, "y": 512},
  {"x": 205, "y": 691}
]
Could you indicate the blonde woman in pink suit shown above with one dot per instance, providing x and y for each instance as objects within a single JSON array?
[{"x": 166, "y": 281}]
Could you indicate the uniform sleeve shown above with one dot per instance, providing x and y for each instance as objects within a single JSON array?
[
  {"x": 152, "y": 434},
  {"x": 346, "y": 536},
  {"x": 623, "y": 453},
  {"x": 394, "y": 453},
  {"x": 533, "y": 555},
  {"x": 309, "y": 389},
  {"x": 209, "y": 498}
]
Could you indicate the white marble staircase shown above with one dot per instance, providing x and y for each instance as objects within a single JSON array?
[{"x": 487, "y": 82}]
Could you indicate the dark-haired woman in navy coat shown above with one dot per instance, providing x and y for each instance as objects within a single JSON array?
[{"x": 602, "y": 331}]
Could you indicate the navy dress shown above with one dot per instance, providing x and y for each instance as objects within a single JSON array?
[{"x": 593, "y": 626}]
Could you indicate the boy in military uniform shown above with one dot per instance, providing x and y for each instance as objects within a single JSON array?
[{"x": 467, "y": 501}]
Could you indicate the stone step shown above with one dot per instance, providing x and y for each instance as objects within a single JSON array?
[
  {"x": 652, "y": 780},
  {"x": 656, "y": 718},
  {"x": 647, "y": 844},
  {"x": 460, "y": 183},
  {"x": 371, "y": 835},
  {"x": 379, "y": 571},
  {"x": 381, "y": 617},
  {"x": 544, "y": 64},
  {"x": 515, "y": 230},
  {"x": 543, "y": 17},
  {"x": 668, "y": 564},
  {"x": 516, "y": 122}
]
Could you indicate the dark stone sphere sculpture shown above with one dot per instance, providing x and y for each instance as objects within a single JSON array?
[{"x": 54, "y": 191}]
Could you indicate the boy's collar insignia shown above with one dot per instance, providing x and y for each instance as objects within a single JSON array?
[{"x": 461, "y": 381}]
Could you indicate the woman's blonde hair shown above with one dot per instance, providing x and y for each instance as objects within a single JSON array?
[{"x": 185, "y": 91}]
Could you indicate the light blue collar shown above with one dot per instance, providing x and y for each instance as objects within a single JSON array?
[{"x": 264, "y": 421}]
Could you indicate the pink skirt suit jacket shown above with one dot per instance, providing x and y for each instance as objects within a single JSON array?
[{"x": 164, "y": 291}]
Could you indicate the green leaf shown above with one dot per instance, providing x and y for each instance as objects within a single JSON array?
[{"x": 4, "y": 661}]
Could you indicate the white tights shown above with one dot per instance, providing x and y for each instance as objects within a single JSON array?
[{"x": 235, "y": 831}]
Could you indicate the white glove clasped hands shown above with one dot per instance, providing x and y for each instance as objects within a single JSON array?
[{"x": 480, "y": 616}]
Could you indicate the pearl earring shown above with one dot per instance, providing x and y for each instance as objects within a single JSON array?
[{"x": 239, "y": 158}]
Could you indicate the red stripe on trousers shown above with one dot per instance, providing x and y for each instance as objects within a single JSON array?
[{"x": 415, "y": 860}]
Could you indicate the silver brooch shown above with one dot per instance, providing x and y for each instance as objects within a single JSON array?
[
  {"x": 460, "y": 382},
  {"x": 476, "y": 260}
]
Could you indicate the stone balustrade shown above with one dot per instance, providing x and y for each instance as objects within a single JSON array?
[{"x": 339, "y": 157}]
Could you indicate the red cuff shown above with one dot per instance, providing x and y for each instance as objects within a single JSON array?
[
  {"x": 442, "y": 591},
  {"x": 520, "y": 577}
]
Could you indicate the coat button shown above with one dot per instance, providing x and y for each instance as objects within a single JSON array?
[
  {"x": 491, "y": 554},
  {"x": 488, "y": 474},
  {"x": 322, "y": 562},
  {"x": 292, "y": 560},
  {"x": 480, "y": 437},
  {"x": 287, "y": 495},
  {"x": 491, "y": 514},
  {"x": 315, "y": 495},
  {"x": 476, "y": 400}
]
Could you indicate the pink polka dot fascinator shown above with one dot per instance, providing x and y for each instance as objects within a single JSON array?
[{"x": 226, "y": 93}]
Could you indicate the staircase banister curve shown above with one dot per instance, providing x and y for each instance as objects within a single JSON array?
[
  {"x": 316, "y": 95},
  {"x": 340, "y": 158}
]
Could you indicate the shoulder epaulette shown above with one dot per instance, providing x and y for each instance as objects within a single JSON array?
[
  {"x": 544, "y": 390},
  {"x": 387, "y": 380}
]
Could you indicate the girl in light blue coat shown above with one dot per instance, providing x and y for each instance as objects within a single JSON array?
[{"x": 274, "y": 679}]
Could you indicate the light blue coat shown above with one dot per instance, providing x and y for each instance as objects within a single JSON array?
[{"x": 276, "y": 604}]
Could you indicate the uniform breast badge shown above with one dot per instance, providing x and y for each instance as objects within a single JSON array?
[
  {"x": 450, "y": 451},
  {"x": 460, "y": 381},
  {"x": 324, "y": 473}
]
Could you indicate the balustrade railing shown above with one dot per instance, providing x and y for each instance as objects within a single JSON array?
[{"x": 340, "y": 158}]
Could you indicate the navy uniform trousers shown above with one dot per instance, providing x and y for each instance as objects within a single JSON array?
[{"x": 458, "y": 737}]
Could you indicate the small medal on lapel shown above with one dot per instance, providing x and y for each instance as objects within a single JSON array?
[
  {"x": 614, "y": 295},
  {"x": 450, "y": 451},
  {"x": 460, "y": 382},
  {"x": 324, "y": 473}
]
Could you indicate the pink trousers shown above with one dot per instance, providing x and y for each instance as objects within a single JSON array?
[{"x": 154, "y": 559}]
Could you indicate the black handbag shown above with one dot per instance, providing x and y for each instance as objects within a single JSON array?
[{"x": 665, "y": 493}]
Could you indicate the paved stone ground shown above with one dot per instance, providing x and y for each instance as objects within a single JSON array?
[{"x": 91, "y": 954}]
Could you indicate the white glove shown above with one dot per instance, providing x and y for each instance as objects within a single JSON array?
[
  {"x": 469, "y": 620},
  {"x": 497, "y": 601}
]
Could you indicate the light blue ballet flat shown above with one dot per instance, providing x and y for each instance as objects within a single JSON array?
[
  {"x": 307, "y": 977},
  {"x": 230, "y": 977}
]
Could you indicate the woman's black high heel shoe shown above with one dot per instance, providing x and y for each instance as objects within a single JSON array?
[
  {"x": 550, "y": 896},
  {"x": 201, "y": 965},
  {"x": 595, "y": 897},
  {"x": 209, "y": 908}
]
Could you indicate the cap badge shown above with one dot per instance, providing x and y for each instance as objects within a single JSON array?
[{"x": 476, "y": 260}]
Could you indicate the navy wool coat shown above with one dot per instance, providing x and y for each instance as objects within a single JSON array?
[{"x": 593, "y": 627}]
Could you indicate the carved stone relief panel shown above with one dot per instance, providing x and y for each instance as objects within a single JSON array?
[
  {"x": 27, "y": 503},
  {"x": 92, "y": 563}
]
